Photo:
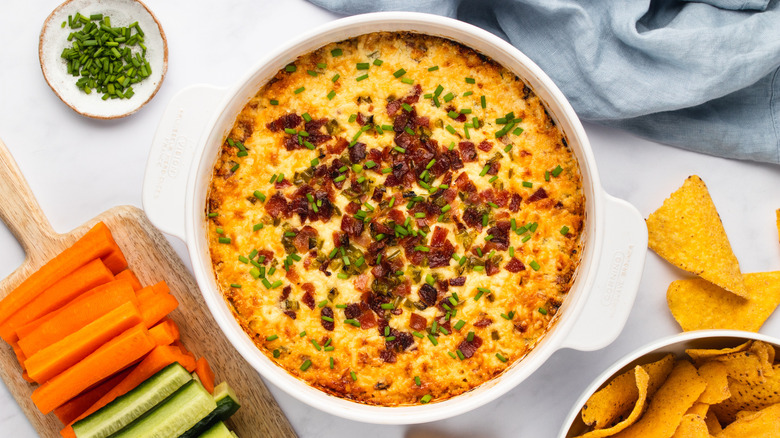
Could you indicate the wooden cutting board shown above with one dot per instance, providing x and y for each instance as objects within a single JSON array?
[{"x": 151, "y": 257}]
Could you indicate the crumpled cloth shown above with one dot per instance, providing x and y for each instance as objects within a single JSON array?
[{"x": 700, "y": 75}]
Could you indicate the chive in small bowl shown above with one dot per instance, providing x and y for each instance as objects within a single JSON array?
[{"x": 120, "y": 56}]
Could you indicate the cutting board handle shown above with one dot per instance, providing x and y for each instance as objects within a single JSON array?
[{"x": 19, "y": 210}]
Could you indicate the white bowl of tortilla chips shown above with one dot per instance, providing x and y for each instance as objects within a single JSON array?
[{"x": 723, "y": 383}]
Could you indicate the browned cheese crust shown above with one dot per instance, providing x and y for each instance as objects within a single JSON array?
[{"x": 395, "y": 219}]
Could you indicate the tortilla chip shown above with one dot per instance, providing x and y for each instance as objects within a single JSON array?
[
  {"x": 699, "y": 355},
  {"x": 692, "y": 426},
  {"x": 713, "y": 425},
  {"x": 697, "y": 304},
  {"x": 641, "y": 381},
  {"x": 716, "y": 376},
  {"x": 686, "y": 231},
  {"x": 699, "y": 409},
  {"x": 749, "y": 396},
  {"x": 669, "y": 404},
  {"x": 746, "y": 367},
  {"x": 764, "y": 423},
  {"x": 766, "y": 354},
  {"x": 609, "y": 405}
]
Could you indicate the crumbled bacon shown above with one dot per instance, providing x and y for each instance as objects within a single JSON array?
[
  {"x": 472, "y": 217},
  {"x": 457, "y": 281},
  {"x": 514, "y": 265},
  {"x": 305, "y": 239},
  {"x": 417, "y": 322},
  {"x": 500, "y": 239},
  {"x": 352, "y": 208},
  {"x": 428, "y": 294},
  {"x": 537, "y": 195},
  {"x": 491, "y": 268},
  {"x": 379, "y": 192},
  {"x": 285, "y": 293},
  {"x": 514, "y": 203},
  {"x": 403, "y": 289},
  {"x": 392, "y": 107},
  {"x": 387, "y": 356},
  {"x": 467, "y": 151},
  {"x": 468, "y": 348},
  {"x": 353, "y": 227},
  {"x": 414, "y": 95},
  {"x": 277, "y": 206},
  {"x": 485, "y": 146},
  {"x": 338, "y": 146},
  {"x": 290, "y": 313},
  {"x": 287, "y": 121},
  {"x": 484, "y": 322},
  {"x": 327, "y": 312},
  {"x": 308, "y": 299},
  {"x": 453, "y": 157},
  {"x": 357, "y": 153}
]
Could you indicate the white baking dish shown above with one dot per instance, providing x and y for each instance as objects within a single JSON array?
[
  {"x": 198, "y": 118},
  {"x": 676, "y": 344}
]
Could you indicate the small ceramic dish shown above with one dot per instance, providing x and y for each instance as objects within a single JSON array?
[{"x": 54, "y": 39}]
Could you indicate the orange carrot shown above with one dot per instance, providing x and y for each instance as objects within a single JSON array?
[
  {"x": 57, "y": 295},
  {"x": 19, "y": 354},
  {"x": 157, "y": 307},
  {"x": 96, "y": 243},
  {"x": 61, "y": 355},
  {"x": 127, "y": 274},
  {"x": 161, "y": 288},
  {"x": 112, "y": 357},
  {"x": 157, "y": 359},
  {"x": 77, "y": 314},
  {"x": 145, "y": 293},
  {"x": 115, "y": 261},
  {"x": 79, "y": 404},
  {"x": 203, "y": 370},
  {"x": 27, "y": 377},
  {"x": 165, "y": 333}
]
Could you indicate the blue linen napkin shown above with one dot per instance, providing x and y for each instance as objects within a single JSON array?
[{"x": 700, "y": 75}]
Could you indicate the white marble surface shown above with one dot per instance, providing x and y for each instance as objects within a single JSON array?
[{"x": 79, "y": 167}]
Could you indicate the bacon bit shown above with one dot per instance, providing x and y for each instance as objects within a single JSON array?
[
  {"x": 453, "y": 156},
  {"x": 414, "y": 96},
  {"x": 268, "y": 254},
  {"x": 484, "y": 322},
  {"x": 440, "y": 255},
  {"x": 361, "y": 119},
  {"x": 303, "y": 239},
  {"x": 396, "y": 216},
  {"x": 494, "y": 167},
  {"x": 357, "y": 153},
  {"x": 307, "y": 287},
  {"x": 361, "y": 283},
  {"x": 392, "y": 107},
  {"x": 514, "y": 203},
  {"x": 378, "y": 194},
  {"x": 367, "y": 319},
  {"x": 308, "y": 299},
  {"x": 501, "y": 198},
  {"x": 353, "y": 227},
  {"x": 285, "y": 293},
  {"x": 514, "y": 265},
  {"x": 338, "y": 147},
  {"x": 472, "y": 217},
  {"x": 485, "y": 145},
  {"x": 277, "y": 206},
  {"x": 439, "y": 236},
  {"x": 292, "y": 275},
  {"x": 287, "y": 121},
  {"x": 521, "y": 326},
  {"x": 491, "y": 268},
  {"x": 340, "y": 239},
  {"x": 464, "y": 184},
  {"x": 458, "y": 281},
  {"x": 281, "y": 185},
  {"x": 387, "y": 356},
  {"x": 417, "y": 322},
  {"x": 315, "y": 125},
  {"x": 290, "y": 313},
  {"x": 401, "y": 121},
  {"x": 467, "y": 151},
  {"x": 469, "y": 348},
  {"x": 428, "y": 294},
  {"x": 537, "y": 195},
  {"x": 500, "y": 240},
  {"x": 352, "y": 208},
  {"x": 403, "y": 289},
  {"x": 443, "y": 285},
  {"x": 327, "y": 325},
  {"x": 422, "y": 122}
]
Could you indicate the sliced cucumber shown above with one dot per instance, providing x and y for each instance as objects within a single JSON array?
[
  {"x": 227, "y": 405},
  {"x": 174, "y": 416},
  {"x": 218, "y": 430},
  {"x": 126, "y": 408}
]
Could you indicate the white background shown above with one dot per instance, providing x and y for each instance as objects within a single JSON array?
[{"x": 79, "y": 167}]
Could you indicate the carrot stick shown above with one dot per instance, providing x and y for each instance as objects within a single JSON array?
[
  {"x": 161, "y": 288},
  {"x": 19, "y": 354},
  {"x": 203, "y": 370},
  {"x": 57, "y": 295},
  {"x": 27, "y": 378},
  {"x": 157, "y": 359},
  {"x": 80, "y": 403},
  {"x": 157, "y": 307},
  {"x": 165, "y": 333},
  {"x": 145, "y": 294},
  {"x": 96, "y": 243},
  {"x": 115, "y": 261},
  {"x": 127, "y": 274},
  {"x": 112, "y": 357},
  {"x": 77, "y": 314},
  {"x": 61, "y": 355}
]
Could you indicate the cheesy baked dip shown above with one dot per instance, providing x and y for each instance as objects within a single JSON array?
[{"x": 395, "y": 219}]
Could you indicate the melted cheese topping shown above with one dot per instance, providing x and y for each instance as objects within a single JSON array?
[{"x": 513, "y": 235}]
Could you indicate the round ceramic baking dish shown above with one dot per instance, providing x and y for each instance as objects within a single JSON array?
[
  {"x": 675, "y": 344},
  {"x": 198, "y": 119}
]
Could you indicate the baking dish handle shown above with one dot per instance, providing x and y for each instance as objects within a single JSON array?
[
  {"x": 175, "y": 144},
  {"x": 617, "y": 278}
]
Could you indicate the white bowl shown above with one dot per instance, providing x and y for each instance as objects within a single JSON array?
[
  {"x": 676, "y": 344},
  {"x": 122, "y": 12},
  {"x": 196, "y": 122}
]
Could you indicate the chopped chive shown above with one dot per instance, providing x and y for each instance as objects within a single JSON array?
[
  {"x": 290, "y": 68},
  {"x": 363, "y": 66},
  {"x": 434, "y": 68},
  {"x": 501, "y": 357},
  {"x": 484, "y": 170},
  {"x": 451, "y": 130},
  {"x": 335, "y": 77},
  {"x": 408, "y": 81},
  {"x": 342, "y": 275},
  {"x": 336, "y": 52},
  {"x": 331, "y": 95},
  {"x": 400, "y": 72},
  {"x": 517, "y": 131},
  {"x": 302, "y": 334},
  {"x": 483, "y": 102},
  {"x": 243, "y": 259},
  {"x": 387, "y": 170},
  {"x": 543, "y": 311},
  {"x": 352, "y": 118},
  {"x": 426, "y": 398},
  {"x": 306, "y": 364},
  {"x": 353, "y": 375},
  {"x": 378, "y": 62},
  {"x": 460, "y": 354},
  {"x": 459, "y": 325},
  {"x": 433, "y": 340},
  {"x": 448, "y": 97},
  {"x": 272, "y": 338},
  {"x": 407, "y": 107},
  {"x": 511, "y": 251},
  {"x": 557, "y": 171},
  {"x": 399, "y": 149},
  {"x": 479, "y": 268},
  {"x": 564, "y": 230},
  {"x": 321, "y": 65},
  {"x": 470, "y": 80},
  {"x": 274, "y": 102},
  {"x": 312, "y": 72},
  {"x": 224, "y": 240},
  {"x": 528, "y": 184},
  {"x": 234, "y": 168},
  {"x": 256, "y": 227},
  {"x": 534, "y": 265},
  {"x": 235, "y": 285}
]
